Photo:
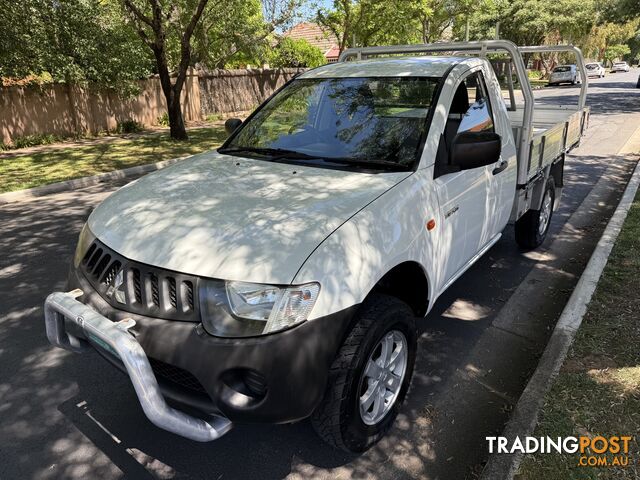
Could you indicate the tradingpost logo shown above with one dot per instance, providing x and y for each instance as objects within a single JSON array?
[{"x": 598, "y": 451}]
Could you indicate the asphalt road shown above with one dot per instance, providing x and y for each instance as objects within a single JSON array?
[{"x": 73, "y": 416}]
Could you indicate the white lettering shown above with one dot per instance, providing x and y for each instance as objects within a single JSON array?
[
  {"x": 517, "y": 445},
  {"x": 491, "y": 440},
  {"x": 557, "y": 446},
  {"x": 533, "y": 444},
  {"x": 502, "y": 445},
  {"x": 570, "y": 444}
]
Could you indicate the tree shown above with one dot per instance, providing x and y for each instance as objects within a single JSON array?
[
  {"x": 242, "y": 32},
  {"x": 342, "y": 21},
  {"x": 616, "y": 52},
  {"x": 73, "y": 41},
  {"x": 181, "y": 33},
  {"x": 434, "y": 16},
  {"x": 621, "y": 10},
  {"x": 154, "y": 23},
  {"x": 465, "y": 9},
  {"x": 606, "y": 34},
  {"x": 375, "y": 22},
  {"x": 296, "y": 53}
]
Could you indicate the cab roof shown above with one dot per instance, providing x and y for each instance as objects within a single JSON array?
[{"x": 423, "y": 66}]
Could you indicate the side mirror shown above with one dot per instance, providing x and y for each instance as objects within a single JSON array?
[
  {"x": 475, "y": 149},
  {"x": 232, "y": 124}
]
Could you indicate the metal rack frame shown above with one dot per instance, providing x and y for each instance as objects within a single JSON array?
[{"x": 482, "y": 48}]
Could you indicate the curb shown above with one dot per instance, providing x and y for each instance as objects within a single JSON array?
[
  {"x": 81, "y": 182},
  {"x": 525, "y": 415}
]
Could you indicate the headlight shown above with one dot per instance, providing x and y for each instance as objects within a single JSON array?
[
  {"x": 85, "y": 239},
  {"x": 239, "y": 309}
]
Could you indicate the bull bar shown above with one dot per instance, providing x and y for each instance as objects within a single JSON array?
[{"x": 61, "y": 307}]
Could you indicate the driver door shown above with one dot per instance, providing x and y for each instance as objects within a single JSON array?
[{"x": 465, "y": 197}]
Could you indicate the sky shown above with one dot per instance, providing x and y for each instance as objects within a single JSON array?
[{"x": 311, "y": 6}]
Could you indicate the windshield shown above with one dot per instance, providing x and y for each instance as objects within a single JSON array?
[
  {"x": 591, "y": 66},
  {"x": 375, "y": 123},
  {"x": 562, "y": 69}
]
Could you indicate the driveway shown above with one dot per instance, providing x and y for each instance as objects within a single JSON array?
[{"x": 73, "y": 416}]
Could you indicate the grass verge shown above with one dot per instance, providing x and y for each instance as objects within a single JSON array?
[
  {"x": 67, "y": 162},
  {"x": 598, "y": 389}
]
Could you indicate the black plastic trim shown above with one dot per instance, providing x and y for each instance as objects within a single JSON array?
[{"x": 294, "y": 363}]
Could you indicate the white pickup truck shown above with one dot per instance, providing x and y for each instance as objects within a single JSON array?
[{"x": 281, "y": 276}]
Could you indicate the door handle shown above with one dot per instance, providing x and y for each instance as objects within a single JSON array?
[{"x": 502, "y": 166}]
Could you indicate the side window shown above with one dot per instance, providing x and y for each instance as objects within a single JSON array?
[
  {"x": 470, "y": 111},
  {"x": 478, "y": 118}
]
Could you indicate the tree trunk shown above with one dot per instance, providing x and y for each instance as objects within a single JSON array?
[
  {"x": 176, "y": 122},
  {"x": 157, "y": 44},
  {"x": 172, "y": 96}
]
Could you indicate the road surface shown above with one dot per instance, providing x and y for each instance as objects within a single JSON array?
[{"x": 74, "y": 416}]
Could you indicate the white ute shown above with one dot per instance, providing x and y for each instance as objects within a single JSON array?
[{"x": 281, "y": 276}]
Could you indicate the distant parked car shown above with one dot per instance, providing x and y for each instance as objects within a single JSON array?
[
  {"x": 620, "y": 67},
  {"x": 595, "y": 69},
  {"x": 564, "y": 74}
]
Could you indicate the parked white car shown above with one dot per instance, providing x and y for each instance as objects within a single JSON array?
[
  {"x": 564, "y": 74},
  {"x": 620, "y": 67},
  {"x": 595, "y": 69},
  {"x": 281, "y": 276}
]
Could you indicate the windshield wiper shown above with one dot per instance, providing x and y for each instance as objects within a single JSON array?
[
  {"x": 387, "y": 164},
  {"x": 282, "y": 153},
  {"x": 274, "y": 153}
]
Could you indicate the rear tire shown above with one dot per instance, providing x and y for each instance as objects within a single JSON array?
[
  {"x": 532, "y": 227},
  {"x": 343, "y": 419}
]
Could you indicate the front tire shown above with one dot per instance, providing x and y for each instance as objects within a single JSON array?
[
  {"x": 370, "y": 376},
  {"x": 532, "y": 227}
]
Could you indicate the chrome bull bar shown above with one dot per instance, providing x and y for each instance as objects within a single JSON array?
[{"x": 60, "y": 308}]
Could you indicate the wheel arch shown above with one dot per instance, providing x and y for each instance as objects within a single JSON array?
[{"x": 409, "y": 282}]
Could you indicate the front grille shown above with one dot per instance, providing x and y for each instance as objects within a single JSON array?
[
  {"x": 138, "y": 288},
  {"x": 176, "y": 375}
]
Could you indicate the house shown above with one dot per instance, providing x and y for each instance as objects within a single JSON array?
[{"x": 318, "y": 37}]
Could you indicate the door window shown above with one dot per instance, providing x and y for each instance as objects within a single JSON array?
[
  {"x": 478, "y": 117},
  {"x": 470, "y": 111}
]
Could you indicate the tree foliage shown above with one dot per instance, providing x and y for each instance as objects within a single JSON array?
[
  {"x": 621, "y": 10},
  {"x": 296, "y": 53},
  {"x": 240, "y": 32},
  {"x": 607, "y": 34},
  {"x": 376, "y": 22},
  {"x": 616, "y": 52},
  {"x": 526, "y": 22},
  {"x": 534, "y": 22},
  {"x": 70, "y": 40}
]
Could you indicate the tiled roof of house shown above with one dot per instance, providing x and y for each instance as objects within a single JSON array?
[
  {"x": 333, "y": 53},
  {"x": 317, "y": 36}
]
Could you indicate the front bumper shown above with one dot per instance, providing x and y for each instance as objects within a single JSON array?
[
  {"x": 61, "y": 308},
  {"x": 294, "y": 364}
]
